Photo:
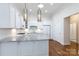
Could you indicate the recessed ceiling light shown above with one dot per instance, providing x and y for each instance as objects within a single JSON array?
[
  {"x": 40, "y": 6},
  {"x": 51, "y": 4},
  {"x": 30, "y": 10},
  {"x": 46, "y": 11}
]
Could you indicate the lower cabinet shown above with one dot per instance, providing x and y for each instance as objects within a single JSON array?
[
  {"x": 29, "y": 48},
  {"x": 25, "y": 49},
  {"x": 40, "y": 48},
  {"x": 33, "y": 48},
  {"x": 8, "y": 49}
]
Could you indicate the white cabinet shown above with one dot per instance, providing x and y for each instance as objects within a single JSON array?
[
  {"x": 40, "y": 48},
  {"x": 19, "y": 20},
  {"x": 10, "y": 17},
  {"x": 4, "y": 15},
  {"x": 9, "y": 48},
  {"x": 25, "y": 49},
  {"x": 16, "y": 19},
  {"x": 33, "y": 48},
  {"x": 29, "y": 48}
]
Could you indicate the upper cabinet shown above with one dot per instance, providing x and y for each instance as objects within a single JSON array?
[
  {"x": 10, "y": 17},
  {"x": 4, "y": 15},
  {"x": 19, "y": 20},
  {"x": 16, "y": 18}
]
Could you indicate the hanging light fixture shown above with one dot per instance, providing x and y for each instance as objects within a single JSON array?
[
  {"x": 26, "y": 16},
  {"x": 39, "y": 13},
  {"x": 26, "y": 19}
]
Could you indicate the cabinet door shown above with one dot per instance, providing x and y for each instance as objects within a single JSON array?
[
  {"x": 40, "y": 48},
  {"x": 18, "y": 20},
  {"x": 12, "y": 16},
  {"x": 9, "y": 49},
  {"x": 4, "y": 15},
  {"x": 33, "y": 48},
  {"x": 25, "y": 49}
]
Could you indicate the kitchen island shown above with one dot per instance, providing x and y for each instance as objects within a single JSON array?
[{"x": 22, "y": 46}]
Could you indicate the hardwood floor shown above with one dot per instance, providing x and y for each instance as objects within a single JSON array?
[
  {"x": 72, "y": 48},
  {"x": 56, "y": 49}
]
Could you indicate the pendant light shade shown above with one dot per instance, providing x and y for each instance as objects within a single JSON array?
[
  {"x": 25, "y": 12},
  {"x": 39, "y": 13}
]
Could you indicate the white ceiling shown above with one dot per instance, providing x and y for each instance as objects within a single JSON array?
[{"x": 50, "y": 8}]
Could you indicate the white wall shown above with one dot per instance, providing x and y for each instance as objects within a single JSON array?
[
  {"x": 58, "y": 21},
  {"x": 32, "y": 20}
]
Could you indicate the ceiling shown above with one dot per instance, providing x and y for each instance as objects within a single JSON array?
[{"x": 51, "y": 9}]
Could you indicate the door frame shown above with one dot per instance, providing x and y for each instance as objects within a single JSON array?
[{"x": 77, "y": 32}]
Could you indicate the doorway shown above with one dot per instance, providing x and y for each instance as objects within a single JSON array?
[{"x": 71, "y": 34}]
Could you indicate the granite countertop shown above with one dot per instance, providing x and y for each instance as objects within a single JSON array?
[{"x": 21, "y": 38}]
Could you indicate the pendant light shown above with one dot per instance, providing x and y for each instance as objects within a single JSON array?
[
  {"x": 26, "y": 19},
  {"x": 39, "y": 18},
  {"x": 39, "y": 13},
  {"x": 26, "y": 16}
]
